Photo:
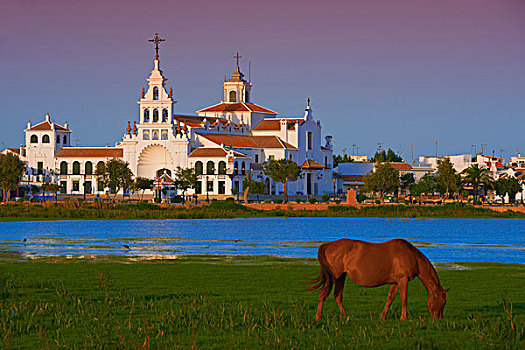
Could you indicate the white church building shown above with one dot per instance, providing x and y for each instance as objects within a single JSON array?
[{"x": 225, "y": 143}]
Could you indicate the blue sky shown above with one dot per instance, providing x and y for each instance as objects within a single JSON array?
[{"x": 392, "y": 72}]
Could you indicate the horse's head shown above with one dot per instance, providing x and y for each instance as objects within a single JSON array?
[{"x": 436, "y": 303}]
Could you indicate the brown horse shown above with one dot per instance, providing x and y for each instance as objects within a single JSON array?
[{"x": 395, "y": 262}]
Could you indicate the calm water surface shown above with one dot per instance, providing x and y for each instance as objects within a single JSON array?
[{"x": 442, "y": 240}]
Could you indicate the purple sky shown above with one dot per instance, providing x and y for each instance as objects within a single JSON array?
[{"x": 396, "y": 72}]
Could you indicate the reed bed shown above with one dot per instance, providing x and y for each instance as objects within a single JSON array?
[{"x": 230, "y": 209}]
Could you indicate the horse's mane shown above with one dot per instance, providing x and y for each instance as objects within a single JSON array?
[{"x": 425, "y": 267}]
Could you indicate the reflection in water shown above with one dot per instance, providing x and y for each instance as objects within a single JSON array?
[{"x": 442, "y": 240}]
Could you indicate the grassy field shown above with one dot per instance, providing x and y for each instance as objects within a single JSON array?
[
  {"x": 230, "y": 209},
  {"x": 209, "y": 302}
]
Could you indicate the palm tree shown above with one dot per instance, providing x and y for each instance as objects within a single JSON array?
[{"x": 476, "y": 176}]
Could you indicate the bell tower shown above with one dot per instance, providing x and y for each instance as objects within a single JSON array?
[
  {"x": 237, "y": 89},
  {"x": 156, "y": 104}
]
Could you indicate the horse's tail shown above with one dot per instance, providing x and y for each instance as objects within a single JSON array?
[{"x": 325, "y": 278}]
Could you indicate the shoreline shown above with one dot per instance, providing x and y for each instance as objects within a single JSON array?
[{"x": 229, "y": 210}]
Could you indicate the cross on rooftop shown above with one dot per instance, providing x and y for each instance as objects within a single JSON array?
[
  {"x": 237, "y": 57},
  {"x": 157, "y": 40}
]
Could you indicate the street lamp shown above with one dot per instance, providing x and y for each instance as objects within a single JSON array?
[
  {"x": 207, "y": 196},
  {"x": 334, "y": 186}
]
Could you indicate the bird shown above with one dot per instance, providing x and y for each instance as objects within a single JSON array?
[
  {"x": 25, "y": 240},
  {"x": 126, "y": 246}
]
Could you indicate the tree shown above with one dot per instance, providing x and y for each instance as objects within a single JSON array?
[
  {"x": 509, "y": 185},
  {"x": 114, "y": 174},
  {"x": 185, "y": 179},
  {"x": 383, "y": 180},
  {"x": 476, "y": 176},
  {"x": 143, "y": 184},
  {"x": 11, "y": 171},
  {"x": 256, "y": 187},
  {"x": 50, "y": 187},
  {"x": 406, "y": 181},
  {"x": 345, "y": 158},
  {"x": 389, "y": 156},
  {"x": 282, "y": 170},
  {"x": 426, "y": 185},
  {"x": 447, "y": 179}
]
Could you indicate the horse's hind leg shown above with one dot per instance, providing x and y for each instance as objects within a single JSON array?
[
  {"x": 324, "y": 292},
  {"x": 338, "y": 292},
  {"x": 391, "y": 295}
]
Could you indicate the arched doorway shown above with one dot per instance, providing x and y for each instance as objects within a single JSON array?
[
  {"x": 268, "y": 186},
  {"x": 153, "y": 158}
]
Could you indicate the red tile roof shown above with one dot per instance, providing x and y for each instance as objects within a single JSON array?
[
  {"x": 45, "y": 125},
  {"x": 203, "y": 152},
  {"x": 311, "y": 164},
  {"x": 498, "y": 165},
  {"x": 197, "y": 121},
  {"x": 247, "y": 141},
  {"x": 275, "y": 124},
  {"x": 237, "y": 107},
  {"x": 400, "y": 166},
  {"x": 88, "y": 152}
]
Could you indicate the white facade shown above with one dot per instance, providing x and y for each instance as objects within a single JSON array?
[{"x": 225, "y": 143}]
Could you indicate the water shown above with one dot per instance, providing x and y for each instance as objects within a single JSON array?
[{"x": 442, "y": 240}]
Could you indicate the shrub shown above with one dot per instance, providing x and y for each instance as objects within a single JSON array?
[
  {"x": 337, "y": 201},
  {"x": 267, "y": 200},
  {"x": 312, "y": 200},
  {"x": 325, "y": 198},
  {"x": 304, "y": 201},
  {"x": 377, "y": 201},
  {"x": 277, "y": 200},
  {"x": 157, "y": 199},
  {"x": 361, "y": 197},
  {"x": 176, "y": 199},
  {"x": 297, "y": 200},
  {"x": 226, "y": 205}
]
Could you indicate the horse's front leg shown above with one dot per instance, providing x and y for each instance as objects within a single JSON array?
[
  {"x": 338, "y": 292},
  {"x": 391, "y": 295},
  {"x": 403, "y": 293}
]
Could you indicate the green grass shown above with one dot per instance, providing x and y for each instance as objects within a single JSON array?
[
  {"x": 230, "y": 209},
  {"x": 209, "y": 302}
]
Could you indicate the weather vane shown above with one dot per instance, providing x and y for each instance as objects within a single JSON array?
[{"x": 157, "y": 40}]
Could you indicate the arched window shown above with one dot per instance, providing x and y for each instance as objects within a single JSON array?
[
  {"x": 155, "y": 135},
  {"x": 155, "y": 93},
  {"x": 164, "y": 115},
  {"x": 76, "y": 168},
  {"x": 155, "y": 115},
  {"x": 235, "y": 168},
  {"x": 63, "y": 168},
  {"x": 145, "y": 135},
  {"x": 64, "y": 140},
  {"x": 233, "y": 96},
  {"x": 88, "y": 168},
  {"x": 198, "y": 167},
  {"x": 58, "y": 139},
  {"x": 243, "y": 169},
  {"x": 34, "y": 139},
  {"x": 210, "y": 167},
  {"x": 146, "y": 115},
  {"x": 164, "y": 135},
  {"x": 101, "y": 165},
  {"x": 45, "y": 139},
  {"x": 222, "y": 167},
  {"x": 246, "y": 96}
]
